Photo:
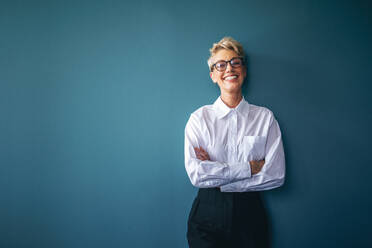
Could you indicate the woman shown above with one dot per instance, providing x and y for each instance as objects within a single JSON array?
[{"x": 233, "y": 149}]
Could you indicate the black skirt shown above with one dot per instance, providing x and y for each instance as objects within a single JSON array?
[{"x": 224, "y": 219}]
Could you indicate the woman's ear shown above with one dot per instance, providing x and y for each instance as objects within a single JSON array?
[
  {"x": 211, "y": 74},
  {"x": 244, "y": 72}
]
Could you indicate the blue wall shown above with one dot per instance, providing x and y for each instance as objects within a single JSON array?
[{"x": 94, "y": 97}]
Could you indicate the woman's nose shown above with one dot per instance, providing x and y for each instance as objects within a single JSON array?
[{"x": 229, "y": 67}]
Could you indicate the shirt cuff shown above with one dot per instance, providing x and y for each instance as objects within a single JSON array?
[{"x": 239, "y": 171}]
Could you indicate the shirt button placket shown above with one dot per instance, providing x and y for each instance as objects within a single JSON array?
[
  {"x": 229, "y": 139},
  {"x": 234, "y": 134}
]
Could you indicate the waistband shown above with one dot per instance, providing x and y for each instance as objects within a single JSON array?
[{"x": 215, "y": 195}]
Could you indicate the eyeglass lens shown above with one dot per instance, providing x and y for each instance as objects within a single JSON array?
[{"x": 222, "y": 65}]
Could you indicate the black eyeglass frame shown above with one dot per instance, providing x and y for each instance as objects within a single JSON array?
[{"x": 228, "y": 62}]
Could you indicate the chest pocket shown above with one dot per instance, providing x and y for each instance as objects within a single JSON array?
[{"x": 253, "y": 148}]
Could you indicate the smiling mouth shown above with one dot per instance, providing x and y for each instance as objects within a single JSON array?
[{"x": 229, "y": 78}]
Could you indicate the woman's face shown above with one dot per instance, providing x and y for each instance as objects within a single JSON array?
[{"x": 231, "y": 79}]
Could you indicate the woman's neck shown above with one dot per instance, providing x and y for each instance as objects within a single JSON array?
[{"x": 231, "y": 100}]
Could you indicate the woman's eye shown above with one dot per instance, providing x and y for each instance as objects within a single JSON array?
[
  {"x": 221, "y": 65},
  {"x": 236, "y": 62}
]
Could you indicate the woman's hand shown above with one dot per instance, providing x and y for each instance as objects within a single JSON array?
[
  {"x": 256, "y": 166},
  {"x": 201, "y": 154}
]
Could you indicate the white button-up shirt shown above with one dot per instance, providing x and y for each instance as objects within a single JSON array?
[{"x": 233, "y": 137}]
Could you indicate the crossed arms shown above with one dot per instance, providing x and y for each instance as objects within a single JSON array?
[{"x": 255, "y": 175}]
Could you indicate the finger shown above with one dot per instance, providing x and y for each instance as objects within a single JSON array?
[
  {"x": 201, "y": 155},
  {"x": 204, "y": 156},
  {"x": 203, "y": 152}
]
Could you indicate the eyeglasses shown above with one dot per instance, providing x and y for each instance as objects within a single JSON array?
[{"x": 221, "y": 65}]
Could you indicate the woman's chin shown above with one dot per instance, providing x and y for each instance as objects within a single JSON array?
[
  {"x": 231, "y": 90},
  {"x": 232, "y": 85}
]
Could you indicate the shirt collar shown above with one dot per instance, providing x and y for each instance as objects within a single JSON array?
[{"x": 222, "y": 109}]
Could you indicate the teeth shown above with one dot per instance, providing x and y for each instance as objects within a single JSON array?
[{"x": 230, "y": 77}]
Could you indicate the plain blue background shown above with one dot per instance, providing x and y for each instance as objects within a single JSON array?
[{"x": 94, "y": 97}]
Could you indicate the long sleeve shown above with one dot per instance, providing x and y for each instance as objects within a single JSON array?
[
  {"x": 273, "y": 172},
  {"x": 206, "y": 174}
]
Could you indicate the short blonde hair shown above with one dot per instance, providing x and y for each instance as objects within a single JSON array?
[{"x": 227, "y": 43}]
